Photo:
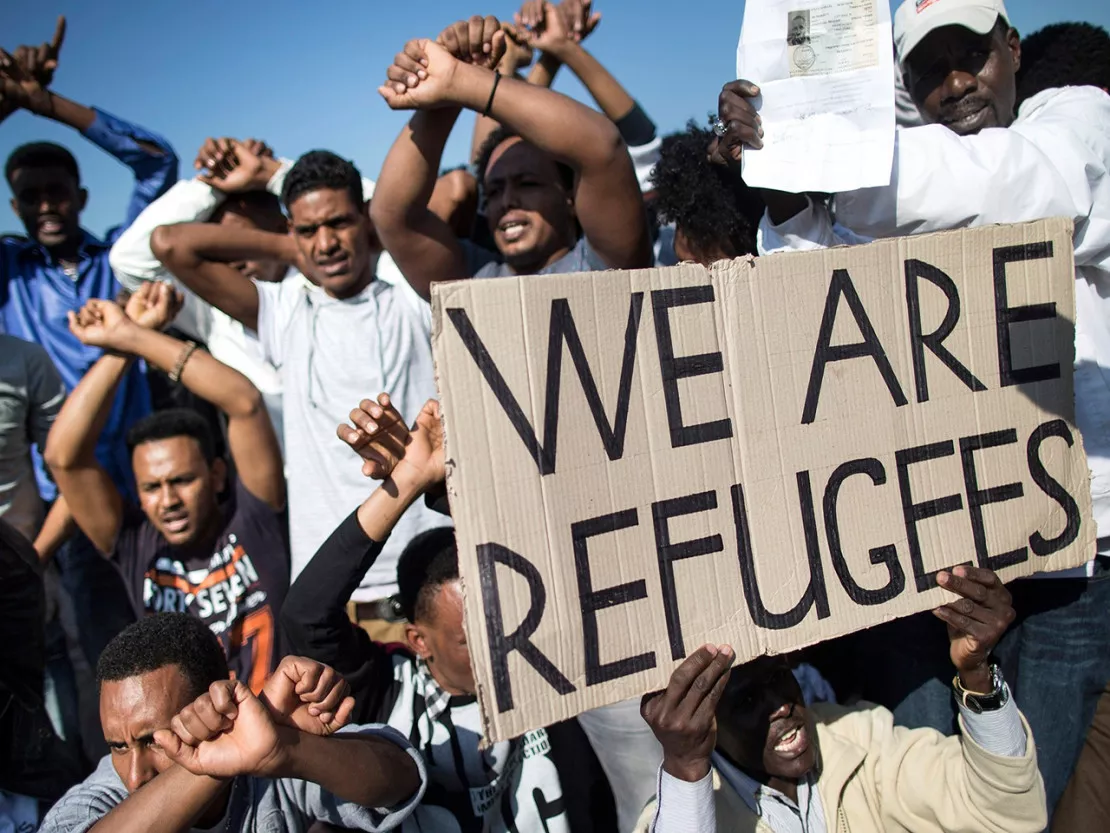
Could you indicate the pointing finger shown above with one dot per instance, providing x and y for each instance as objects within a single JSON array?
[{"x": 59, "y": 35}]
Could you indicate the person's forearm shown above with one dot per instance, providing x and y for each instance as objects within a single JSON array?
[
  {"x": 7, "y": 107},
  {"x": 73, "y": 438},
  {"x": 686, "y": 806},
  {"x": 172, "y": 803},
  {"x": 368, "y": 771},
  {"x": 58, "y": 527},
  {"x": 558, "y": 125},
  {"x": 131, "y": 258},
  {"x": 410, "y": 170},
  {"x": 62, "y": 110},
  {"x": 314, "y": 617},
  {"x": 543, "y": 70},
  {"x": 611, "y": 97},
  {"x": 192, "y": 243},
  {"x": 213, "y": 381},
  {"x": 484, "y": 126},
  {"x": 380, "y": 512}
]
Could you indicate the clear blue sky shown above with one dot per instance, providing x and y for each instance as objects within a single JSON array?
[{"x": 303, "y": 75}]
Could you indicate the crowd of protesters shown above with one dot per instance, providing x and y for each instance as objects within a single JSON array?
[{"x": 222, "y": 475}]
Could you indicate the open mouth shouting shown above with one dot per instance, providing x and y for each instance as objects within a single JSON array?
[
  {"x": 50, "y": 224},
  {"x": 792, "y": 739},
  {"x": 513, "y": 227}
]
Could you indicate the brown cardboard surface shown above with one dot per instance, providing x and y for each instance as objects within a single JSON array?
[{"x": 707, "y": 502}]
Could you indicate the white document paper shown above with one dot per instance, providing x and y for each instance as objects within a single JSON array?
[{"x": 825, "y": 69}]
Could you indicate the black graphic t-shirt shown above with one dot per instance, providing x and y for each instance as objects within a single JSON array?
[{"x": 237, "y": 591}]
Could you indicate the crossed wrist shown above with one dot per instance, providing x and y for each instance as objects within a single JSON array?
[
  {"x": 41, "y": 104},
  {"x": 410, "y": 484},
  {"x": 281, "y": 761},
  {"x": 469, "y": 87},
  {"x": 126, "y": 338},
  {"x": 563, "y": 50}
]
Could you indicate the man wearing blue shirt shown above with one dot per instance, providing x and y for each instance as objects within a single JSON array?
[{"x": 57, "y": 268}]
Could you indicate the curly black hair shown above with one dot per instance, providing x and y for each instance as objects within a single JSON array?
[
  {"x": 713, "y": 211},
  {"x": 173, "y": 422},
  {"x": 430, "y": 561},
  {"x": 160, "y": 640},
  {"x": 1062, "y": 55},
  {"x": 481, "y": 162},
  {"x": 321, "y": 169},
  {"x": 41, "y": 155}
]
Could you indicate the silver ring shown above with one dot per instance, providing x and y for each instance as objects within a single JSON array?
[{"x": 720, "y": 128}]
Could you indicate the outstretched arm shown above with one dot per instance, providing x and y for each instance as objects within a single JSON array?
[
  {"x": 422, "y": 244},
  {"x": 225, "y": 166},
  {"x": 559, "y": 36},
  {"x": 150, "y": 157},
  {"x": 250, "y": 433},
  {"x": 92, "y": 497},
  {"x": 608, "y": 201},
  {"x": 314, "y": 614}
]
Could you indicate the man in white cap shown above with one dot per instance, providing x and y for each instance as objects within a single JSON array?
[{"x": 974, "y": 163}]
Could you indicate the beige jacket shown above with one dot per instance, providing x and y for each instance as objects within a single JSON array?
[{"x": 878, "y": 778}]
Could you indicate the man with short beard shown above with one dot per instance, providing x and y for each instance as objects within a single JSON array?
[
  {"x": 974, "y": 164},
  {"x": 57, "y": 268},
  {"x": 742, "y": 751},
  {"x": 202, "y": 540},
  {"x": 560, "y": 189},
  {"x": 341, "y": 333},
  {"x": 192, "y": 750}
]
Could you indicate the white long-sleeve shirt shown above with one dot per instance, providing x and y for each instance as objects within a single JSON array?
[
  {"x": 192, "y": 201},
  {"x": 1053, "y": 161}
]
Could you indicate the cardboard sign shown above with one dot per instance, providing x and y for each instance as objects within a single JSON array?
[{"x": 768, "y": 453}]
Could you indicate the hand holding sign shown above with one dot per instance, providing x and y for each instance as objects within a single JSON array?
[
  {"x": 684, "y": 717},
  {"x": 976, "y": 622}
]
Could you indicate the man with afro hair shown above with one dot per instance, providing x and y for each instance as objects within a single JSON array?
[{"x": 714, "y": 213}]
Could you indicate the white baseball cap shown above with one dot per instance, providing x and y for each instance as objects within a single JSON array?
[{"x": 917, "y": 18}]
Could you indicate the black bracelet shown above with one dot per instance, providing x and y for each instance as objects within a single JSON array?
[{"x": 492, "y": 92}]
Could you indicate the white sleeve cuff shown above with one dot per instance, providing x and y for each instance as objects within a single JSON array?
[
  {"x": 276, "y": 182},
  {"x": 999, "y": 732},
  {"x": 685, "y": 806},
  {"x": 811, "y": 228},
  {"x": 188, "y": 201}
]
